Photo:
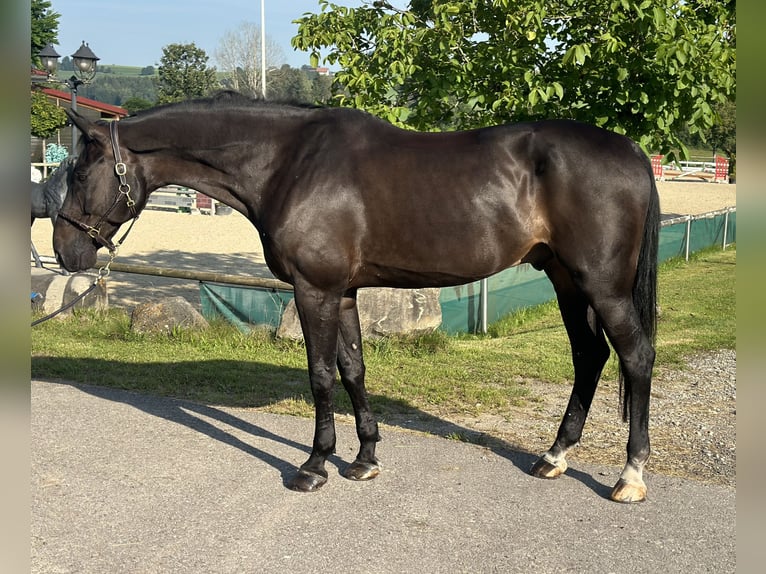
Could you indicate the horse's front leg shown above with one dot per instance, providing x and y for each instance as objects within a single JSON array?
[
  {"x": 319, "y": 315},
  {"x": 352, "y": 370}
]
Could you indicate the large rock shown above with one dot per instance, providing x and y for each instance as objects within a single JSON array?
[
  {"x": 382, "y": 312},
  {"x": 51, "y": 290},
  {"x": 165, "y": 316}
]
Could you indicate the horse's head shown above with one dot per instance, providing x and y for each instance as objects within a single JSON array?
[{"x": 105, "y": 190}]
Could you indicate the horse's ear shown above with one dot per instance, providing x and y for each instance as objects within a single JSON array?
[{"x": 88, "y": 129}]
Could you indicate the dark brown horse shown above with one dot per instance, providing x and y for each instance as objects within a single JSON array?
[{"x": 342, "y": 201}]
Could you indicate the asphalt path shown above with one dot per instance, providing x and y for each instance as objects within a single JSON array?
[{"x": 123, "y": 482}]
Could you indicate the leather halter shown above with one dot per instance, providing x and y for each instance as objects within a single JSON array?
[{"x": 120, "y": 170}]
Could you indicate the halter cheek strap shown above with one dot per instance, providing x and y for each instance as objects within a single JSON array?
[{"x": 121, "y": 169}]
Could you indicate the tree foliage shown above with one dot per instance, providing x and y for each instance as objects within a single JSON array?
[
  {"x": 134, "y": 104},
  {"x": 639, "y": 67},
  {"x": 183, "y": 74},
  {"x": 45, "y": 26},
  {"x": 290, "y": 84},
  {"x": 67, "y": 65},
  {"x": 46, "y": 118},
  {"x": 723, "y": 135}
]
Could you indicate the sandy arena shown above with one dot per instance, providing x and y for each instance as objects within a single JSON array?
[{"x": 229, "y": 243}]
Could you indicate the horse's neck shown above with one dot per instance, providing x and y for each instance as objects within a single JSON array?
[{"x": 212, "y": 161}]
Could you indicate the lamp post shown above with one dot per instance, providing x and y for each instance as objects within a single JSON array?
[{"x": 84, "y": 61}]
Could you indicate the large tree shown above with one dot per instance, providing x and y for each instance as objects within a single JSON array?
[
  {"x": 639, "y": 67},
  {"x": 290, "y": 84},
  {"x": 183, "y": 74},
  {"x": 239, "y": 56},
  {"x": 45, "y": 26},
  {"x": 45, "y": 118},
  {"x": 723, "y": 135}
]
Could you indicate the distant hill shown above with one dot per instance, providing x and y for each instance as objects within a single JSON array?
[
  {"x": 117, "y": 84},
  {"x": 129, "y": 71}
]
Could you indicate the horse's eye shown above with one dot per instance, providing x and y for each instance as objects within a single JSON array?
[{"x": 81, "y": 175}]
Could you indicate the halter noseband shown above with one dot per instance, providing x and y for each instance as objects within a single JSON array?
[{"x": 120, "y": 170}]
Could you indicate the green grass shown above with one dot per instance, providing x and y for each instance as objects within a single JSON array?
[
  {"x": 697, "y": 305},
  {"x": 433, "y": 374}
]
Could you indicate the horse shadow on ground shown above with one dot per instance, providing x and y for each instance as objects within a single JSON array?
[{"x": 193, "y": 415}]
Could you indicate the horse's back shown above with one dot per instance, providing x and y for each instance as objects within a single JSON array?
[
  {"x": 507, "y": 162},
  {"x": 482, "y": 200}
]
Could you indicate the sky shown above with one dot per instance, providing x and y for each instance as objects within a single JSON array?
[{"x": 133, "y": 32}]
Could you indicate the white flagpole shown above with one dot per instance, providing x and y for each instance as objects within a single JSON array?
[{"x": 263, "y": 49}]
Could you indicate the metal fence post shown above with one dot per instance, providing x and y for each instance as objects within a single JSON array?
[
  {"x": 725, "y": 229},
  {"x": 688, "y": 236},
  {"x": 484, "y": 295}
]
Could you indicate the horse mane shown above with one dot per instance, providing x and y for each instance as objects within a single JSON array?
[{"x": 225, "y": 99}]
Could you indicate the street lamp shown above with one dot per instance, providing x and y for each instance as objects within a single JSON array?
[{"x": 84, "y": 61}]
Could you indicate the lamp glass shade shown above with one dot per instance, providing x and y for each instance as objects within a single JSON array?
[
  {"x": 84, "y": 60},
  {"x": 49, "y": 58}
]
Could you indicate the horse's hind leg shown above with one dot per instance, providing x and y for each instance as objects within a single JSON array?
[
  {"x": 589, "y": 354},
  {"x": 636, "y": 353},
  {"x": 352, "y": 371}
]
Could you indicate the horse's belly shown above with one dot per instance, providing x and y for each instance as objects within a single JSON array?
[{"x": 419, "y": 268}]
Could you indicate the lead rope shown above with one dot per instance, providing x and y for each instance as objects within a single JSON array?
[
  {"x": 101, "y": 275},
  {"x": 120, "y": 170}
]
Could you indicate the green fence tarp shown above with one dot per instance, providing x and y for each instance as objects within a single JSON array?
[
  {"x": 243, "y": 306},
  {"x": 703, "y": 232},
  {"x": 512, "y": 289},
  {"x": 509, "y": 290},
  {"x": 672, "y": 239},
  {"x": 707, "y": 231}
]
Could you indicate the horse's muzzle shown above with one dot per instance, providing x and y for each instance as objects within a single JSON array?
[{"x": 74, "y": 260}]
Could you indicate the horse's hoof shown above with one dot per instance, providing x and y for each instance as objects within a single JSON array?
[
  {"x": 359, "y": 470},
  {"x": 544, "y": 469},
  {"x": 306, "y": 481},
  {"x": 628, "y": 492}
]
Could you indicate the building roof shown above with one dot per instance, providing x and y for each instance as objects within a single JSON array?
[{"x": 81, "y": 101}]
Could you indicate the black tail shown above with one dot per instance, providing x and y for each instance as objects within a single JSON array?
[{"x": 645, "y": 284}]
